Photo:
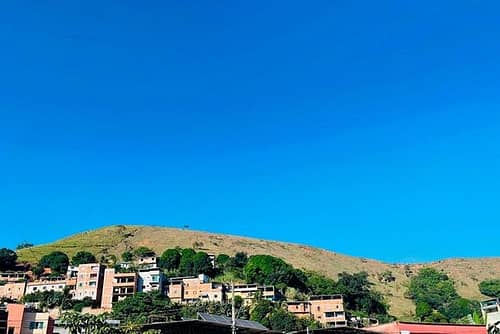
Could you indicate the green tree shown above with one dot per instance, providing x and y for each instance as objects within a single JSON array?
[
  {"x": 422, "y": 310},
  {"x": 317, "y": 284},
  {"x": 170, "y": 259},
  {"x": 239, "y": 260},
  {"x": 433, "y": 289},
  {"x": 261, "y": 310},
  {"x": 138, "y": 307},
  {"x": 202, "y": 264},
  {"x": 127, "y": 256},
  {"x": 57, "y": 261},
  {"x": 78, "y": 323},
  {"x": 358, "y": 294},
  {"x": 490, "y": 288},
  {"x": 222, "y": 260},
  {"x": 267, "y": 269},
  {"x": 24, "y": 245},
  {"x": 282, "y": 320},
  {"x": 143, "y": 252},
  {"x": 8, "y": 259},
  {"x": 83, "y": 257},
  {"x": 186, "y": 264}
]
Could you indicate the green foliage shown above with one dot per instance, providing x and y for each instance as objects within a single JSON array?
[
  {"x": 83, "y": 257},
  {"x": 267, "y": 269},
  {"x": 143, "y": 252},
  {"x": 358, "y": 294},
  {"x": 222, "y": 260},
  {"x": 8, "y": 259},
  {"x": 57, "y": 261},
  {"x": 190, "y": 311},
  {"x": 24, "y": 245},
  {"x": 78, "y": 305},
  {"x": 490, "y": 287},
  {"x": 282, "y": 320},
  {"x": 138, "y": 307},
  {"x": 50, "y": 299},
  {"x": 436, "y": 298},
  {"x": 170, "y": 259},
  {"x": 260, "y": 311},
  {"x": 317, "y": 284},
  {"x": 186, "y": 265},
  {"x": 239, "y": 260},
  {"x": 127, "y": 256},
  {"x": 202, "y": 264},
  {"x": 78, "y": 323}
]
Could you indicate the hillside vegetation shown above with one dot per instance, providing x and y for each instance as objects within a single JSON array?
[{"x": 390, "y": 279}]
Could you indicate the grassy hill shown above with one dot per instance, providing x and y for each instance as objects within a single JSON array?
[{"x": 114, "y": 240}]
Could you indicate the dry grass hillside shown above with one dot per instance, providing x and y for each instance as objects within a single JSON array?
[{"x": 114, "y": 240}]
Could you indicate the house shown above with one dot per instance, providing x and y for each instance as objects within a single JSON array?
[
  {"x": 328, "y": 310},
  {"x": 194, "y": 288},
  {"x": 12, "y": 290},
  {"x": 89, "y": 282},
  {"x": 426, "y": 328},
  {"x": 117, "y": 286},
  {"x": 57, "y": 284},
  {"x": 150, "y": 279},
  {"x": 21, "y": 320},
  {"x": 249, "y": 292},
  {"x": 491, "y": 313}
]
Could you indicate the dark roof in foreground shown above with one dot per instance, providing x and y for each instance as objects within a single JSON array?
[
  {"x": 227, "y": 321},
  {"x": 208, "y": 324}
]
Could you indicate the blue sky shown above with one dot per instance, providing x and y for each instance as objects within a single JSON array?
[{"x": 367, "y": 128}]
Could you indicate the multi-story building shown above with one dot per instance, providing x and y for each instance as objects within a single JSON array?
[
  {"x": 150, "y": 280},
  {"x": 326, "y": 309},
  {"x": 13, "y": 290},
  {"x": 192, "y": 288},
  {"x": 117, "y": 286},
  {"x": 13, "y": 276},
  {"x": 89, "y": 282},
  {"x": 3, "y": 319},
  {"x": 57, "y": 284},
  {"x": 249, "y": 292},
  {"x": 21, "y": 320},
  {"x": 491, "y": 314}
]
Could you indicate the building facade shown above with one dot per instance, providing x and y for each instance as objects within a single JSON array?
[
  {"x": 117, "y": 286},
  {"x": 191, "y": 289},
  {"x": 328, "y": 310},
  {"x": 89, "y": 282},
  {"x": 21, "y": 320},
  {"x": 151, "y": 279}
]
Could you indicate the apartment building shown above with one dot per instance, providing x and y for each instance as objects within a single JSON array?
[
  {"x": 13, "y": 276},
  {"x": 150, "y": 280},
  {"x": 12, "y": 290},
  {"x": 21, "y": 320},
  {"x": 117, "y": 286},
  {"x": 89, "y": 282},
  {"x": 326, "y": 309},
  {"x": 57, "y": 284},
  {"x": 192, "y": 289},
  {"x": 249, "y": 292},
  {"x": 491, "y": 313}
]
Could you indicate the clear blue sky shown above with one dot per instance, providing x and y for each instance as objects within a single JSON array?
[{"x": 367, "y": 128}]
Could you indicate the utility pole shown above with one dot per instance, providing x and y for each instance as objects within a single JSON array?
[{"x": 233, "y": 310}]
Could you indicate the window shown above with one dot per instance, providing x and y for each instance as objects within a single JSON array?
[
  {"x": 11, "y": 330},
  {"x": 92, "y": 283},
  {"x": 36, "y": 325},
  {"x": 329, "y": 314}
]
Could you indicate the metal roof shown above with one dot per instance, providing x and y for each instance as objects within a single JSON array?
[{"x": 227, "y": 321}]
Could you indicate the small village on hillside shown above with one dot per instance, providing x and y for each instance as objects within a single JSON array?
[{"x": 89, "y": 297}]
